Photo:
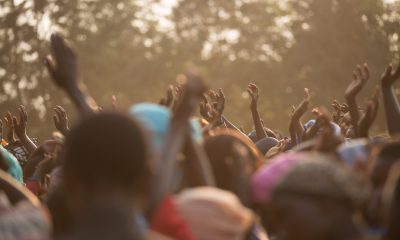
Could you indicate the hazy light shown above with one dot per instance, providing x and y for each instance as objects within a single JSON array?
[{"x": 390, "y": 1}]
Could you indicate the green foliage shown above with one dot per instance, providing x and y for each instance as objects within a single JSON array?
[{"x": 128, "y": 49}]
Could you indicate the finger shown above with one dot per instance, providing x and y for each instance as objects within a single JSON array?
[
  {"x": 365, "y": 71},
  {"x": 9, "y": 117},
  {"x": 15, "y": 121},
  {"x": 59, "y": 47},
  {"x": 221, "y": 93},
  {"x": 355, "y": 76},
  {"x": 50, "y": 65},
  {"x": 57, "y": 111},
  {"x": 55, "y": 119},
  {"x": 249, "y": 91},
  {"x": 62, "y": 111},
  {"x": 359, "y": 72},
  {"x": 23, "y": 113},
  {"x": 306, "y": 94}
]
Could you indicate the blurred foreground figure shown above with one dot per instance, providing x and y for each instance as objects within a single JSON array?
[{"x": 104, "y": 177}]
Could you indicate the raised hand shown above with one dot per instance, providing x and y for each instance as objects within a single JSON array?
[
  {"x": 63, "y": 67},
  {"x": 390, "y": 101},
  {"x": 20, "y": 125},
  {"x": 169, "y": 98},
  {"x": 60, "y": 119},
  {"x": 252, "y": 89},
  {"x": 63, "y": 64},
  {"x": 360, "y": 77},
  {"x": 327, "y": 141},
  {"x": 337, "y": 111},
  {"x": 303, "y": 106},
  {"x": 9, "y": 128},
  {"x": 389, "y": 77},
  {"x": 369, "y": 116},
  {"x": 220, "y": 102},
  {"x": 214, "y": 108},
  {"x": 114, "y": 102},
  {"x": 179, "y": 129},
  {"x": 296, "y": 128},
  {"x": 205, "y": 109},
  {"x": 20, "y": 129}
]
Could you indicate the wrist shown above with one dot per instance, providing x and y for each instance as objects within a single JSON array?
[{"x": 386, "y": 87}]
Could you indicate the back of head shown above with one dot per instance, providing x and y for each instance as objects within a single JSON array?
[
  {"x": 265, "y": 144},
  {"x": 316, "y": 200},
  {"x": 214, "y": 214},
  {"x": 106, "y": 151},
  {"x": 220, "y": 151}
]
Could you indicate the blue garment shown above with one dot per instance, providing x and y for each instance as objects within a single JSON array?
[
  {"x": 156, "y": 120},
  {"x": 14, "y": 169},
  {"x": 336, "y": 127}
]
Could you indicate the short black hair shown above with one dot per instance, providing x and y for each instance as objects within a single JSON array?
[{"x": 106, "y": 150}]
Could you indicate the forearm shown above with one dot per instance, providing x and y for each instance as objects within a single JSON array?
[
  {"x": 230, "y": 125},
  {"x": 197, "y": 164},
  {"x": 296, "y": 127},
  {"x": 258, "y": 126},
  {"x": 84, "y": 102},
  {"x": 28, "y": 144},
  {"x": 392, "y": 110},
  {"x": 296, "y": 132},
  {"x": 353, "y": 110},
  {"x": 166, "y": 169}
]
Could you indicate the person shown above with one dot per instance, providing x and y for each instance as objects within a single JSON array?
[
  {"x": 105, "y": 177},
  {"x": 231, "y": 170},
  {"x": 22, "y": 216},
  {"x": 314, "y": 198}
]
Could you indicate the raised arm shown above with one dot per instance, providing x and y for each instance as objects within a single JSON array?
[
  {"x": 20, "y": 130},
  {"x": 63, "y": 67},
  {"x": 60, "y": 119},
  {"x": 390, "y": 102},
  {"x": 175, "y": 139},
  {"x": 252, "y": 89},
  {"x": 360, "y": 77},
  {"x": 296, "y": 128},
  {"x": 369, "y": 115},
  {"x": 197, "y": 164}
]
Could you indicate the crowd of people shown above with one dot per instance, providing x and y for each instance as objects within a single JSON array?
[{"x": 158, "y": 172}]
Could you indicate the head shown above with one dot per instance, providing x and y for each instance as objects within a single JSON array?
[
  {"x": 253, "y": 135},
  {"x": 317, "y": 199},
  {"x": 265, "y": 144},
  {"x": 105, "y": 155},
  {"x": 226, "y": 217},
  {"x": 155, "y": 119},
  {"x": 232, "y": 172},
  {"x": 378, "y": 172}
]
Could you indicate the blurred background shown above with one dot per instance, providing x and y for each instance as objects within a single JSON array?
[{"x": 134, "y": 48}]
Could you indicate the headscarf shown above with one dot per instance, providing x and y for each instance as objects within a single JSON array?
[
  {"x": 14, "y": 169},
  {"x": 265, "y": 179},
  {"x": 265, "y": 144},
  {"x": 212, "y": 213},
  {"x": 320, "y": 176},
  {"x": 156, "y": 119},
  {"x": 353, "y": 150},
  {"x": 336, "y": 128}
]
